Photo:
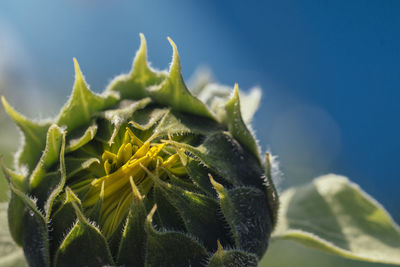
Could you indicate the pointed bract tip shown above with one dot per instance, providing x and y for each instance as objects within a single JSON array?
[
  {"x": 220, "y": 249},
  {"x": 216, "y": 185},
  {"x": 102, "y": 190},
  {"x": 9, "y": 109},
  {"x": 236, "y": 90},
  {"x": 175, "y": 55},
  {"x": 143, "y": 45},
  {"x": 151, "y": 213},
  {"x": 78, "y": 72},
  {"x": 136, "y": 194}
]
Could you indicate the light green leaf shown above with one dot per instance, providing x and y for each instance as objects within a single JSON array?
[
  {"x": 83, "y": 103},
  {"x": 173, "y": 92},
  {"x": 336, "y": 216},
  {"x": 34, "y": 134},
  {"x": 289, "y": 253},
  {"x": 10, "y": 254},
  {"x": 134, "y": 84},
  {"x": 237, "y": 126}
]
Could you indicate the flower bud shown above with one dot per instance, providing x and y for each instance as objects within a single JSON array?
[{"x": 144, "y": 174}]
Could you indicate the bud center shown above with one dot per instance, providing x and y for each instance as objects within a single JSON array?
[{"x": 137, "y": 161}]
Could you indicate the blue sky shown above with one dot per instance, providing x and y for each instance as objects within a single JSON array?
[{"x": 329, "y": 70}]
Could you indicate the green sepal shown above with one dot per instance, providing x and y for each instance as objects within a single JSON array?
[
  {"x": 83, "y": 103},
  {"x": 226, "y": 157},
  {"x": 17, "y": 179},
  {"x": 94, "y": 214},
  {"x": 168, "y": 216},
  {"x": 246, "y": 211},
  {"x": 84, "y": 245},
  {"x": 34, "y": 232},
  {"x": 199, "y": 213},
  {"x": 42, "y": 182},
  {"x": 15, "y": 210},
  {"x": 134, "y": 84},
  {"x": 62, "y": 177},
  {"x": 146, "y": 118},
  {"x": 75, "y": 143},
  {"x": 272, "y": 192},
  {"x": 232, "y": 258},
  {"x": 237, "y": 126},
  {"x": 11, "y": 255},
  {"x": 132, "y": 247},
  {"x": 75, "y": 165},
  {"x": 34, "y": 134},
  {"x": 172, "y": 248},
  {"x": 174, "y": 123},
  {"x": 173, "y": 92},
  {"x": 199, "y": 175},
  {"x": 123, "y": 113},
  {"x": 63, "y": 219}
]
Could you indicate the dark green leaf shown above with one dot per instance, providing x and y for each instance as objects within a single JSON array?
[
  {"x": 172, "y": 248},
  {"x": 84, "y": 245},
  {"x": 246, "y": 211},
  {"x": 35, "y": 238},
  {"x": 132, "y": 247}
]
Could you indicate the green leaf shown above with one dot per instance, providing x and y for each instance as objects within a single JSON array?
[
  {"x": 132, "y": 247},
  {"x": 83, "y": 103},
  {"x": 172, "y": 248},
  {"x": 173, "y": 92},
  {"x": 237, "y": 126},
  {"x": 336, "y": 216},
  {"x": 289, "y": 253},
  {"x": 251, "y": 227},
  {"x": 10, "y": 254},
  {"x": 134, "y": 84},
  {"x": 35, "y": 238},
  {"x": 232, "y": 258},
  {"x": 84, "y": 245},
  {"x": 34, "y": 134}
]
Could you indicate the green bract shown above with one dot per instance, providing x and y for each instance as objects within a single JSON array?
[{"x": 144, "y": 174}]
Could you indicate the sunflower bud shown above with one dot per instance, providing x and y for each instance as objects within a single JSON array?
[{"x": 144, "y": 174}]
